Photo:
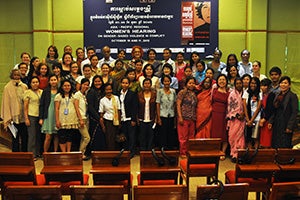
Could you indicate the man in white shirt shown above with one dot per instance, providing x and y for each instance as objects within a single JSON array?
[
  {"x": 106, "y": 56},
  {"x": 90, "y": 51},
  {"x": 25, "y": 58},
  {"x": 245, "y": 63}
]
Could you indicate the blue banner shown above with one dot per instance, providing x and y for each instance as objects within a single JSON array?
[{"x": 181, "y": 25}]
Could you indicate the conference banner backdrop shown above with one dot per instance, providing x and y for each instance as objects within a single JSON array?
[{"x": 181, "y": 25}]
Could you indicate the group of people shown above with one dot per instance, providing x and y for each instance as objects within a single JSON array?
[{"x": 145, "y": 103}]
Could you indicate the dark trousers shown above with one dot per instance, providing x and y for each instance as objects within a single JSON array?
[
  {"x": 146, "y": 135},
  {"x": 129, "y": 131},
  {"x": 167, "y": 136},
  {"x": 34, "y": 136},
  {"x": 110, "y": 134},
  {"x": 97, "y": 141},
  {"x": 23, "y": 134}
]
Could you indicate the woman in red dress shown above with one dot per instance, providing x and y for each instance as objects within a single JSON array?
[
  {"x": 219, "y": 106},
  {"x": 265, "y": 133}
]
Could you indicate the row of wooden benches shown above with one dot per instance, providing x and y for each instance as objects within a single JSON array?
[
  {"x": 111, "y": 168},
  {"x": 280, "y": 191}
]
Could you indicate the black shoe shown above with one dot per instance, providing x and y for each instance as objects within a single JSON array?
[
  {"x": 131, "y": 155},
  {"x": 86, "y": 158}
]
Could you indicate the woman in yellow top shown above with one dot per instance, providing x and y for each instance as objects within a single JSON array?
[{"x": 31, "y": 100}]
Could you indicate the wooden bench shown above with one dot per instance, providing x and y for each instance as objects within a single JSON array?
[
  {"x": 231, "y": 192},
  {"x": 104, "y": 173},
  {"x": 17, "y": 168},
  {"x": 288, "y": 161},
  {"x": 203, "y": 158},
  {"x": 285, "y": 191},
  {"x": 115, "y": 192},
  {"x": 161, "y": 192},
  {"x": 153, "y": 174},
  {"x": 258, "y": 173},
  {"x": 46, "y": 192},
  {"x": 64, "y": 169}
]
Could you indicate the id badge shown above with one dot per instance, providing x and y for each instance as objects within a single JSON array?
[{"x": 66, "y": 111}]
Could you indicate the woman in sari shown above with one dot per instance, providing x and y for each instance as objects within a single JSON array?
[
  {"x": 235, "y": 117},
  {"x": 117, "y": 74},
  {"x": 203, "y": 121}
]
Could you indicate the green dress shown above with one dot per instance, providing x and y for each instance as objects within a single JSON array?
[{"x": 49, "y": 123}]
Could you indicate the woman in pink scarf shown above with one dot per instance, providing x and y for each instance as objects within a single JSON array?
[{"x": 236, "y": 122}]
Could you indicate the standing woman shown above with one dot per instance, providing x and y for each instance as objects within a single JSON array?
[
  {"x": 74, "y": 76},
  {"x": 195, "y": 57},
  {"x": 129, "y": 110},
  {"x": 47, "y": 113},
  {"x": 246, "y": 81},
  {"x": 252, "y": 105},
  {"x": 65, "y": 115},
  {"x": 134, "y": 85},
  {"x": 204, "y": 109},
  {"x": 236, "y": 119},
  {"x": 110, "y": 117},
  {"x": 187, "y": 72},
  {"x": 137, "y": 54},
  {"x": 266, "y": 112},
  {"x": 81, "y": 109},
  {"x": 186, "y": 104},
  {"x": 151, "y": 55},
  {"x": 43, "y": 75},
  {"x": 167, "y": 70},
  {"x": 34, "y": 63},
  {"x": 256, "y": 65},
  {"x": 232, "y": 74},
  {"x": 165, "y": 108},
  {"x": 200, "y": 71},
  {"x": 219, "y": 107},
  {"x": 216, "y": 63},
  {"x": 138, "y": 68},
  {"x": 97, "y": 141},
  {"x": 52, "y": 56},
  {"x": 283, "y": 120},
  {"x": 146, "y": 114},
  {"x": 105, "y": 70},
  {"x": 12, "y": 110},
  {"x": 57, "y": 69},
  {"x": 148, "y": 72},
  {"x": 180, "y": 65},
  {"x": 31, "y": 114},
  {"x": 79, "y": 57},
  {"x": 120, "y": 56},
  {"x": 95, "y": 65},
  {"x": 117, "y": 74},
  {"x": 67, "y": 59}
]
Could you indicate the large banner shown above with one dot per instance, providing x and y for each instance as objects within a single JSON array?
[{"x": 181, "y": 25}]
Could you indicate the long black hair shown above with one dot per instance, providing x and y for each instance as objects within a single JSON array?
[
  {"x": 253, "y": 93},
  {"x": 62, "y": 92}
]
